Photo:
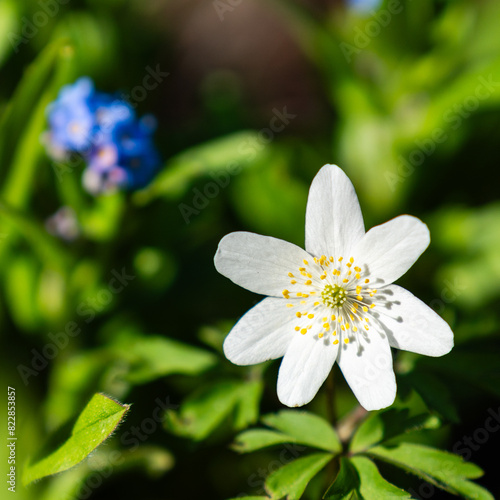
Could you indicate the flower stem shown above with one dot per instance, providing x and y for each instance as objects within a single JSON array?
[
  {"x": 331, "y": 409},
  {"x": 350, "y": 423}
]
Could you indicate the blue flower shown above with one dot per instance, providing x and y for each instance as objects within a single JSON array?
[
  {"x": 364, "y": 5},
  {"x": 71, "y": 117},
  {"x": 117, "y": 146}
]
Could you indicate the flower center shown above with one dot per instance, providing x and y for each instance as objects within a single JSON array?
[
  {"x": 333, "y": 296},
  {"x": 326, "y": 283}
]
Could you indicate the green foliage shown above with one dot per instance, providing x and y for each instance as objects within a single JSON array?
[
  {"x": 153, "y": 357},
  {"x": 206, "y": 408},
  {"x": 291, "y": 480},
  {"x": 306, "y": 428},
  {"x": 382, "y": 426},
  {"x": 360, "y": 479},
  {"x": 95, "y": 424},
  {"x": 445, "y": 470}
]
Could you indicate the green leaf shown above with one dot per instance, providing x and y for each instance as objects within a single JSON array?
[
  {"x": 29, "y": 150},
  {"x": 306, "y": 428},
  {"x": 95, "y": 424},
  {"x": 256, "y": 439},
  {"x": 48, "y": 248},
  {"x": 226, "y": 155},
  {"x": 385, "y": 425},
  {"x": 373, "y": 486},
  {"x": 153, "y": 357},
  {"x": 292, "y": 479},
  {"x": 247, "y": 408},
  {"x": 203, "y": 411},
  {"x": 21, "y": 279},
  {"x": 346, "y": 484},
  {"x": 445, "y": 470},
  {"x": 359, "y": 478},
  {"x": 25, "y": 98},
  {"x": 9, "y": 25},
  {"x": 250, "y": 498}
]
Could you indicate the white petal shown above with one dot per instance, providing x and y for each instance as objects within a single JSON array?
[
  {"x": 411, "y": 325},
  {"x": 306, "y": 364},
  {"x": 334, "y": 222},
  {"x": 390, "y": 249},
  {"x": 258, "y": 263},
  {"x": 367, "y": 367},
  {"x": 263, "y": 333}
]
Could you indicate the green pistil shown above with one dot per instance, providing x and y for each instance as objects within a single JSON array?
[{"x": 333, "y": 296}]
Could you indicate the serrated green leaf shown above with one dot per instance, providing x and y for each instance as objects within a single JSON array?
[
  {"x": 306, "y": 428},
  {"x": 373, "y": 486},
  {"x": 445, "y": 470},
  {"x": 384, "y": 425},
  {"x": 154, "y": 356},
  {"x": 359, "y": 478},
  {"x": 292, "y": 479},
  {"x": 95, "y": 424},
  {"x": 256, "y": 439},
  {"x": 346, "y": 484}
]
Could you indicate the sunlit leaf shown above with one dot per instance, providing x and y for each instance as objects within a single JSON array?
[
  {"x": 445, "y": 470},
  {"x": 256, "y": 439},
  {"x": 221, "y": 158},
  {"x": 382, "y": 426},
  {"x": 306, "y": 428},
  {"x": 292, "y": 479},
  {"x": 95, "y": 424}
]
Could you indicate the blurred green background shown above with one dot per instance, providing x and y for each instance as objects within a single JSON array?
[{"x": 259, "y": 95}]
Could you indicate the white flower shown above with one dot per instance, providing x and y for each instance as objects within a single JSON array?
[{"x": 334, "y": 300}]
